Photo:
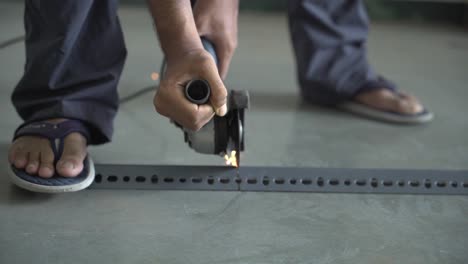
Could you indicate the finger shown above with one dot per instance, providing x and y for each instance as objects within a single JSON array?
[
  {"x": 196, "y": 116},
  {"x": 224, "y": 60},
  {"x": 205, "y": 114},
  {"x": 189, "y": 115},
  {"x": 218, "y": 96}
]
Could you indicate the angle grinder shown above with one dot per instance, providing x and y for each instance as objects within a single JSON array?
[{"x": 221, "y": 135}]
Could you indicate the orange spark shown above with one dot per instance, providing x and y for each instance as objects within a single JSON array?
[
  {"x": 154, "y": 76},
  {"x": 231, "y": 160}
]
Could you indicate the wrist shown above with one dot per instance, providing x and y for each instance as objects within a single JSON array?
[
  {"x": 178, "y": 46},
  {"x": 175, "y": 26}
]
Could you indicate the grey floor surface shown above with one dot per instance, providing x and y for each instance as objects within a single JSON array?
[{"x": 98, "y": 226}]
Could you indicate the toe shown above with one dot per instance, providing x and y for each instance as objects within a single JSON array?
[
  {"x": 74, "y": 152},
  {"x": 46, "y": 168},
  {"x": 386, "y": 100},
  {"x": 408, "y": 106},
  {"x": 416, "y": 105},
  {"x": 69, "y": 166},
  {"x": 21, "y": 159},
  {"x": 33, "y": 163},
  {"x": 12, "y": 153}
]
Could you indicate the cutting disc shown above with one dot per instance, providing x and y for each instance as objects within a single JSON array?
[{"x": 239, "y": 135}]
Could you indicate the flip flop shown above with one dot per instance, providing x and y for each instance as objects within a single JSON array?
[
  {"x": 363, "y": 110},
  {"x": 422, "y": 117},
  {"x": 56, "y": 134}
]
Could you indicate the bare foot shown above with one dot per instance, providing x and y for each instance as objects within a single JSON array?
[
  {"x": 34, "y": 154},
  {"x": 384, "y": 99}
]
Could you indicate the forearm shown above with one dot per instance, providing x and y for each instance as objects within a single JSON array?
[{"x": 175, "y": 26}]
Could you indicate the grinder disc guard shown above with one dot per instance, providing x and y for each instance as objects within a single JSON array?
[{"x": 223, "y": 134}]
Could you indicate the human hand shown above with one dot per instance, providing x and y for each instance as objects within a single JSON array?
[
  {"x": 216, "y": 20},
  {"x": 170, "y": 100}
]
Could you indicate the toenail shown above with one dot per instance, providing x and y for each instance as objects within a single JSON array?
[
  {"x": 66, "y": 165},
  {"x": 47, "y": 170}
]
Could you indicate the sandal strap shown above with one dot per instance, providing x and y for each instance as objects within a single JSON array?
[
  {"x": 379, "y": 83},
  {"x": 52, "y": 131},
  {"x": 55, "y": 133}
]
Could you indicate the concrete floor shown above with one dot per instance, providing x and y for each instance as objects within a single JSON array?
[{"x": 224, "y": 227}]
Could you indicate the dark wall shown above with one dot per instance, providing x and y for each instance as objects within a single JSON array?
[
  {"x": 378, "y": 9},
  {"x": 384, "y": 9}
]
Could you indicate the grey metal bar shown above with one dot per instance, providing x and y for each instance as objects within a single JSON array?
[
  {"x": 208, "y": 178},
  {"x": 341, "y": 180},
  {"x": 281, "y": 179}
]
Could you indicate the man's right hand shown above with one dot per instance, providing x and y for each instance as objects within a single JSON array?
[{"x": 170, "y": 98}]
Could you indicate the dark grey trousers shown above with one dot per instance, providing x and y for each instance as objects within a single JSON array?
[
  {"x": 75, "y": 54},
  {"x": 329, "y": 40}
]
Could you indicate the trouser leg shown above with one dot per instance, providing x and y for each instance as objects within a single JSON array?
[
  {"x": 329, "y": 41},
  {"x": 75, "y": 54}
]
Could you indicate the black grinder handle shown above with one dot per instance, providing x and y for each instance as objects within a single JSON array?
[{"x": 198, "y": 91}]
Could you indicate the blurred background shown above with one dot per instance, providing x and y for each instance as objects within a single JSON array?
[{"x": 449, "y": 11}]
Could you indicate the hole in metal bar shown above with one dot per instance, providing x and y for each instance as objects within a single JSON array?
[
  {"x": 401, "y": 183},
  {"x": 238, "y": 180},
  {"x": 182, "y": 180},
  {"x": 454, "y": 184},
  {"x": 427, "y": 183},
  {"x": 387, "y": 183},
  {"x": 168, "y": 180},
  {"x": 334, "y": 182},
  {"x": 465, "y": 185},
  {"x": 265, "y": 181},
  {"x": 360, "y": 182},
  {"x": 126, "y": 179},
  {"x": 306, "y": 181},
  {"x": 292, "y": 181},
  {"x": 210, "y": 180},
  {"x": 441, "y": 184},
  {"x": 98, "y": 178},
  {"x": 374, "y": 183},
  {"x": 224, "y": 180},
  {"x": 112, "y": 178},
  {"x": 320, "y": 181},
  {"x": 414, "y": 183},
  {"x": 278, "y": 181},
  {"x": 252, "y": 181},
  {"x": 154, "y": 179},
  {"x": 347, "y": 182},
  {"x": 197, "y": 180},
  {"x": 140, "y": 179}
]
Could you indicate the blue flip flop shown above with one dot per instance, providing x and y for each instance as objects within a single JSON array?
[{"x": 56, "y": 134}]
